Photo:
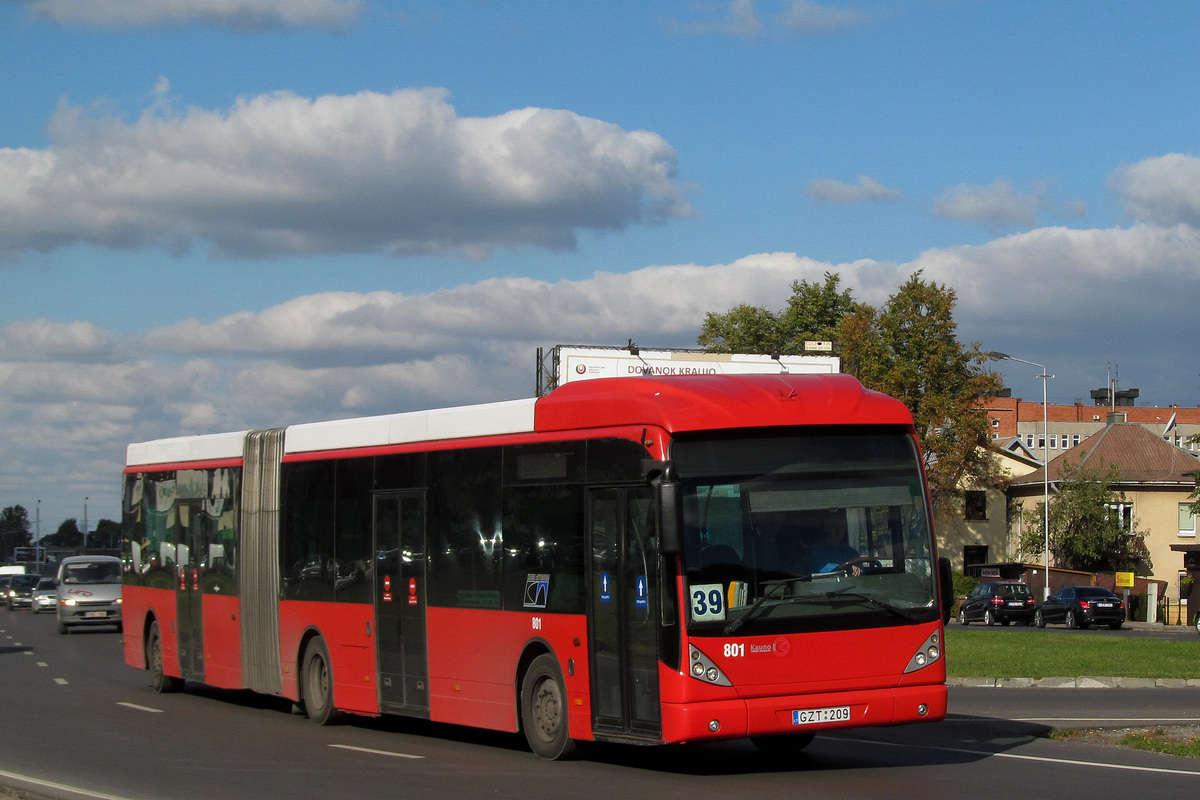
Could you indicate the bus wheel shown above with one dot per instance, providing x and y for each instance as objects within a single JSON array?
[
  {"x": 544, "y": 710},
  {"x": 782, "y": 745},
  {"x": 159, "y": 680},
  {"x": 317, "y": 683}
]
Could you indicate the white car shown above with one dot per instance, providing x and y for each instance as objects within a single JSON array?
[
  {"x": 89, "y": 591},
  {"x": 45, "y": 596}
]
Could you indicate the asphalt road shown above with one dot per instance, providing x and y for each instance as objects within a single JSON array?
[{"x": 79, "y": 723}]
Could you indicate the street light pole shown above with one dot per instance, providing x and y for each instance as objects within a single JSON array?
[{"x": 994, "y": 356}]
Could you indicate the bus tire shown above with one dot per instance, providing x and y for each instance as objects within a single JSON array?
[
  {"x": 544, "y": 710},
  {"x": 316, "y": 680},
  {"x": 159, "y": 680}
]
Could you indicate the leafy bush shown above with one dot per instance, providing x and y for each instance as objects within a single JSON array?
[{"x": 963, "y": 584}]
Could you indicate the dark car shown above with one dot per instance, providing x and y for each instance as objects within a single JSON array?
[
  {"x": 998, "y": 601},
  {"x": 1080, "y": 607},
  {"x": 20, "y": 589}
]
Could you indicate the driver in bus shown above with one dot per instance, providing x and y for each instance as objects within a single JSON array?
[{"x": 832, "y": 551}]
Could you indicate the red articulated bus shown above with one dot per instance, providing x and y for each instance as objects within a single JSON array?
[{"x": 649, "y": 560}]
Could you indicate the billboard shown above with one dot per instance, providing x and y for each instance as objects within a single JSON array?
[{"x": 575, "y": 363}]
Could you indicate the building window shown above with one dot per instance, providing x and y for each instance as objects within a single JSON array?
[
  {"x": 975, "y": 505},
  {"x": 1187, "y": 520},
  {"x": 995, "y": 422},
  {"x": 974, "y": 555},
  {"x": 1054, "y": 441},
  {"x": 1029, "y": 440},
  {"x": 1123, "y": 513},
  {"x": 1075, "y": 440}
]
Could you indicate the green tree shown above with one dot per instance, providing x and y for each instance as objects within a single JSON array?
[
  {"x": 106, "y": 535},
  {"x": 907, "y": 348},
  {"x": 67, "y": 535},
  {"x": 1085, "y": 533},
  {"x": 14, "y": 530},
  {"x": 814, "y": 313}
]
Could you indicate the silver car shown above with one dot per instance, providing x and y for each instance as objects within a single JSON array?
[
  {"x": 89, "y": 591},
  {"x": 45, "y": 596}
]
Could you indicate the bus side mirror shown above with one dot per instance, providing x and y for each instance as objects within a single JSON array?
[
  {"x": 661, "y": 475},
  {"x": 946, "y": 581},
  {"x": 670, "y": 517}
]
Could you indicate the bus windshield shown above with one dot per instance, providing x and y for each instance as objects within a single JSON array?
[{"x": 789, "y": 531}]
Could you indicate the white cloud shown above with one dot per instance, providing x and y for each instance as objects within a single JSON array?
[
  {"x": 994, "y": 205},
  {"x": 1072, "y": 299},
  {"x": 280, "y": 174},
  {"x": 236, "y": 14},
  {"x": 808, "y": 17},
  {"x": 1163, "y": 190},
  {"x": 738, "y": 19},
  {"x": 39, "y": 340},
  {"x": 865, "y": 190}
]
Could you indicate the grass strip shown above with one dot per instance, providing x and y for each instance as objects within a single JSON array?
[
  {"x": 1173, "y": 741},
  {"x": 1161, "y": 741},
  {"x": 998, "y": 653}
]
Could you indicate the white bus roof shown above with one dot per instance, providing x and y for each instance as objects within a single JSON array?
[
  {"x": 182, "y": 449},
  {"x": 488, "y": 419}
]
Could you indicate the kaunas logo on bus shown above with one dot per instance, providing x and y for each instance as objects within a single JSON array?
[{"x": 780, "y": 647}]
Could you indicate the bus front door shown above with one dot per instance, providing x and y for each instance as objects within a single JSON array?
[
  {"x": 400, "y": 603},
  {"x": 193, "y": 536},
  {"x": 623, "y": 599}
]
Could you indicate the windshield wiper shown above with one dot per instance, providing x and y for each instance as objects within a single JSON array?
[
  {"x": 875, "y": 601},
  {"x": 745, "y": 616}
]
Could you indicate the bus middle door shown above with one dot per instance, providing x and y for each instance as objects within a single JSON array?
[
  {"x": 623, "y": 621},
  {"x": 193, "y": 536},
  {"x": 400, "y": 603}
]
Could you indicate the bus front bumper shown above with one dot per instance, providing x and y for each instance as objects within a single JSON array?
[{"x": 805, "y": 713}]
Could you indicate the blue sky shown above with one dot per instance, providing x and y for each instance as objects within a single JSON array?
[{"x": 221, "y": 214}]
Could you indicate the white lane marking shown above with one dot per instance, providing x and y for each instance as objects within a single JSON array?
[
  {"x": 136, "y": 707},
  {"x": 62, "y": 787},
  {"x": 43, "y": 664},
  {"x": 1047, "y": 759},
  {"x": 374, "y": 752},
  {"x": 61, "y": 681}
]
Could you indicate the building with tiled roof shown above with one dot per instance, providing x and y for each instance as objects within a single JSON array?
[
  {"x": 1155, "y": 482},
  {"x": 1070, "y": 425}
]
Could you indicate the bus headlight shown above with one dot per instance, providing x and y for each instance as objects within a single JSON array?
[
  {"x": 703, "y": 669},
  {"x": 928, "y": 653}
]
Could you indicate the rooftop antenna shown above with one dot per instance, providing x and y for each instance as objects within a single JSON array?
[{"x": 636, "y": 351}]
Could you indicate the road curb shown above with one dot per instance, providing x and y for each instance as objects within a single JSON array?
[{"x": 1081, "y": 682}]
